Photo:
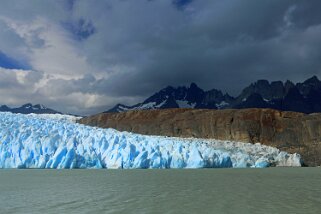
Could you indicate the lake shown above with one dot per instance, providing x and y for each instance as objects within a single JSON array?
[{"x": 271, "y": 190}]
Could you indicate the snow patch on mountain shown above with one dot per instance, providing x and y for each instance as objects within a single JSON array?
[
  {"x": 185, "y": 104},
  {"x": 150, "y": 105},
  {"x": 160, "y": 104},
  {"x": 222, "y": 104}
]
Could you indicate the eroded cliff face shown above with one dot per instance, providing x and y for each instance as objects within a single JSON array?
[{"x": 288, "y": 131}]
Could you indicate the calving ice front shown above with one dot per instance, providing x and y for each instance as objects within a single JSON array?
[{"x": 33, "y": 141}]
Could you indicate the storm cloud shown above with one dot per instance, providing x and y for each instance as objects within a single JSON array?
[{"x": 82, "y": 56}]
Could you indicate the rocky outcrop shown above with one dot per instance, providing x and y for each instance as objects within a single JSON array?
[{"x": 288, "y": 131}]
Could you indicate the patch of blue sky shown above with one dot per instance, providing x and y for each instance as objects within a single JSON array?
[{"x": 11, "y": 63}]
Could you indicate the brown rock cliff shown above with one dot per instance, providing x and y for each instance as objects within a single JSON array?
[{"x": 288, "y": 131}]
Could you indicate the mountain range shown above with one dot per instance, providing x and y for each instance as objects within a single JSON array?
[
  {"x": 28, "y": 109},
  {"x": 286, "y": 96}
]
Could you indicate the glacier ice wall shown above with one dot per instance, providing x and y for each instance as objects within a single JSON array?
[
  {"x": 35, "y": 141},
  {"x": 60, "y": 117}
]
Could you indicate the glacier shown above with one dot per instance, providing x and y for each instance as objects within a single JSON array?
[{"x": 57, "y": 142}]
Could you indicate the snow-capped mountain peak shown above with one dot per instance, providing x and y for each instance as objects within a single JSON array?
[
  {"x": 29, "y": 108},
  {"x": 180, "y": 97}
]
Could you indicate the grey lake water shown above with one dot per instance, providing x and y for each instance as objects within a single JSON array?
[{"x": 272, "y": 190}]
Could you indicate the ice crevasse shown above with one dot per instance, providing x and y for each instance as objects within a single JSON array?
[{"x": 33, "y": 141}]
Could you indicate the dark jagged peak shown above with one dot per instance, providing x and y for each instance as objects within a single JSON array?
[
  {"x": 194, "y": 86},
  {"x": 312, "y": 81},
  {"x": 167, "y": 89},
  {"x": 171, "y": 97},
  {"x": 277, "y": 90},
  {"x": 288, "y": 85},
  {"x": 262, "y": 83},
  {"x": 194, "y": 94},
  {"x": 161, "y": 95},
  {"x": 246, "y": 92},
  {"x": 293, "y": 94},
  {"x": 309, "y": 84},
  {"x": 213, "y": 96},
  {"x": 168, "y": 97},
  {"x": 268, "y": 90},
  {"x": 264, "y": 88}
]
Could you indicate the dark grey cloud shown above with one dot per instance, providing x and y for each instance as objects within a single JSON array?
[
  {"x": 227, "y": 45},
  {"x": 181, "y": 4},
  {"x": 81, "y": 28},
  {"x": 86, "y": 56}
]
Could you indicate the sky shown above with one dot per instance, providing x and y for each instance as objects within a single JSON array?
[{"x": 83, "y": 57}]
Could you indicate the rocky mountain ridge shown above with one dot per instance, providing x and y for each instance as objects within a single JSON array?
[
  {"x": 29, "y": 108},
  {"x": 301, "y": 97}
]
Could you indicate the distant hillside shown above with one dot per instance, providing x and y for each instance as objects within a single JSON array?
[
  {"x": 301, "y": 97},
  {"x": 29, "y": 108}
]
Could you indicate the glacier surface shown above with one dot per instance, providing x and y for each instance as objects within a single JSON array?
[{"x": 41, "y": 141}]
